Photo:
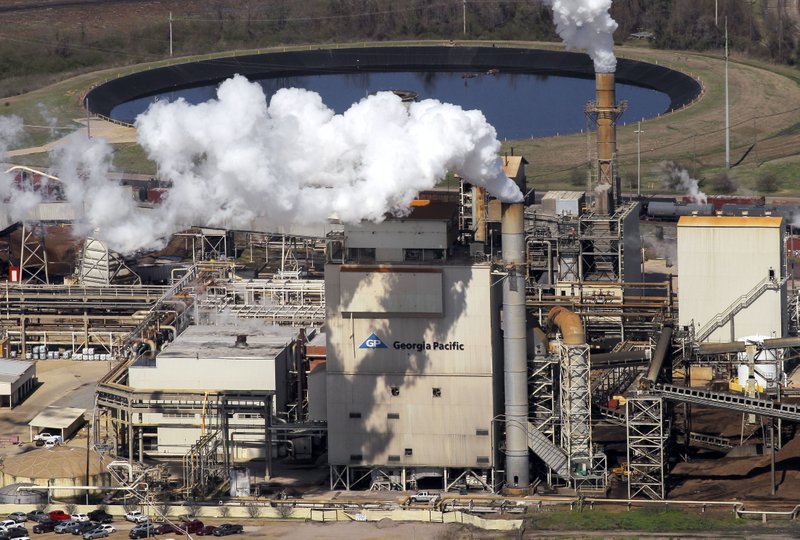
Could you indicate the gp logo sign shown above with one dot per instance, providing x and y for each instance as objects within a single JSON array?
[{"x": 373, "y": 342}]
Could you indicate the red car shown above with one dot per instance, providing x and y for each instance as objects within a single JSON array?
[{"x": 59, "y": 515}]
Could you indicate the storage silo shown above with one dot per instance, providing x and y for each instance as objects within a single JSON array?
[{"x": 730, "y": 276}]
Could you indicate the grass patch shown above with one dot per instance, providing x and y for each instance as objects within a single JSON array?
[{"x": 644, "y": 520}]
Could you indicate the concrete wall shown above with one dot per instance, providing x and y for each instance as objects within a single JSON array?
[
  {"x": 392, "y": 236},
  {"x": 206, "y": 374},
  {"x": 457, "y": 353},
  {"x": 723, "y": 258}
]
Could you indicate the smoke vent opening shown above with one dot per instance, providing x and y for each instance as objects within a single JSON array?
[{"x": 241, "y": 340}]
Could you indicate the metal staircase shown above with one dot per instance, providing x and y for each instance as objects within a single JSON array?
[
  {"x": 744, "y": 301},
  {"x": 553, "y": 456}
]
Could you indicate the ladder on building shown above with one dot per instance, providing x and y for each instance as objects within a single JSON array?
[
  {"x": 744, "y": 301},
  {"x": 553, "y": 456}
]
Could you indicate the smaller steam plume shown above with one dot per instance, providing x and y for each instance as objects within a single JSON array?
[
  {"x": 677, "y": 178},
  {"x": 587, "y": 25},
  {"x": 17, "y": 200}
]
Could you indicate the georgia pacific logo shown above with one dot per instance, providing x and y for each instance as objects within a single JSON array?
[{"x": 373, "y": 342}]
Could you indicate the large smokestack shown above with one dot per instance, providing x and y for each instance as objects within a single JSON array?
[
  {"x": 605, "y": 111},
  {"x": 515, "y": 361}
]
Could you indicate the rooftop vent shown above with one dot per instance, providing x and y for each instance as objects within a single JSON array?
[{"x": 241, "y": 340}]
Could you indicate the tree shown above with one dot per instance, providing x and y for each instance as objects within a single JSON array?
[
  {"x": 723, "y": 183},
  {"x": 767, "y": 182}
]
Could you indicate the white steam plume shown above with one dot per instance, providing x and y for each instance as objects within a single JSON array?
[
  {"x": 234, "y": 159},
  {"x": 16, "y": 200},
  {"x": 587, "y": 25},
  {"x": 678, "y": 179}
]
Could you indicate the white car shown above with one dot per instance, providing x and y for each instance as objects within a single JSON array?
[
  {"x": 106, "y": 527},
  {"x": 136, "y": 516},
  {"x": 9, "y": 524},
  {"x": 80, "y": 518}
]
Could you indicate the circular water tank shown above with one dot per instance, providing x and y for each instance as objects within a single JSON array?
[{"x": 17, "y": 494}]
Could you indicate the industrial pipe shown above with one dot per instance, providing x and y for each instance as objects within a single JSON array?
[
  {"x": 664, "y": 341},
  {"x": 606, "y": 112},
  {"x": 515, "y": 354},
  {"x": 570, "y": 324}
]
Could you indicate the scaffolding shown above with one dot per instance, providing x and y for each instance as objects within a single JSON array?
[{"x": 647, "y": 434}]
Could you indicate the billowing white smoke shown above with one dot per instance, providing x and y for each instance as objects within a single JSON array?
[
  {"x": 17, "y": 200},
  {"x": 587, "y": 25},
  {"x": 678, "y": 179},
  {"x": 235, "y": 160}
]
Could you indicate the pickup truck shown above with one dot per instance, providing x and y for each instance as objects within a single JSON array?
[{"x": 424, "y": 497}]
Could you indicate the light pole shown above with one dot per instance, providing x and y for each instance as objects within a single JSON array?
[{"x": 639, "y": 158}]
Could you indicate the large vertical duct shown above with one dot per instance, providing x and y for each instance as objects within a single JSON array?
[
  {"x": 606, "y": 111},
  {"x": 479, "y": 213},
  {"x": 515, "y": 362}
]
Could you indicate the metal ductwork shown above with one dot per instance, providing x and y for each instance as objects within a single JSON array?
[
  {"x": 515, "y": 360},
  {"x": 664, "y": 342},
  {"x": 570, "y": 324}
]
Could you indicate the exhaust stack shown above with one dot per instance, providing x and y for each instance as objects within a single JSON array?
[
  {"x": 605, "y": 111},
  {"x": 515, "y": 359}
]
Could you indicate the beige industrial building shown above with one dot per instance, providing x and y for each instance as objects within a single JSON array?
[
  {"x": 414, "y": 366},
  {"x": 17, "y": 381},
  {"x": 730, "y": 283},
  {"x": 209, "y": 359}
]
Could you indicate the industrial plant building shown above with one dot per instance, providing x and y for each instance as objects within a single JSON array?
[{"x": 469, "y": 344}]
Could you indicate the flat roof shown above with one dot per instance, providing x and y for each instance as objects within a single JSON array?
[
  {"x": 730, "y": 221},
  {"x": 219, "y": 341},
  {"x": 57, "y": 417},
  {"x": 12, "y": 370}
]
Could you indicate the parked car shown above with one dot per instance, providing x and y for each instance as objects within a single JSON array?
[
  {"x": 142, "y": 531},
  {"x": 9, "y": 524},
  {"x": 65, "y": 526},
  {"x": 192, "y": 527},
  {"x": 45, "y": 526},
  {"x": 59, "y": 515},
  {"x": 19, "y": 517},
  {"x": 80, "y": 517},
  {"x": 17, "y": 532},
  {"x": 169, "y": 528},
  {"x": 37, "y": 515},
  {"x": 208, "y": 530},
  {"x": 82, "y": 527},
  {"x": 100, "y": 516},
  {"x": 135, "y": 516},
  {"x": 108, "y": 528},
  {"x": 95, "y": 533},
  {"x": 228, "y": 528}
]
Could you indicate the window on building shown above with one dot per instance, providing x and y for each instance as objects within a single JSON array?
[
  {"x": 482, "y": 432},
  {"x": 355, "y": 415},
  {"x": 393, "y": 416},
  {"x": 356, "y": 457},
  {"x": 361, "y": 255},
  {"x": 394, "y": 458},
  {"x": 409, "y": 452},
  {"x": 437, "y": 392},
  {"x": 483, "y": 460},
  {"x": 395, "y": 390}
]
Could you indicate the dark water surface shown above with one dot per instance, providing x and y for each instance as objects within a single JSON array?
[{"x": 519, "y": 106}]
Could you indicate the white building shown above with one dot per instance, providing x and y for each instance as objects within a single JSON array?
[
  {"x": 207, "y": 359},
  {"x": 414, "y": 361},
  {"x": 731, "y": 266},
  {"x": 17, "y": 381}
]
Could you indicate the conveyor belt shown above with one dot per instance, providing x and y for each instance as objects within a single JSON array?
[{"x": 724, "y": 400}]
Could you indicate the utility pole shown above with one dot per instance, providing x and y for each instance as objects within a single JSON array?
[
  {"x": 716, "y": 13},
  {"x": 170, "y": 34},
  {"x": 464, "y": 16},
  {"x": 88, "y": 118},
  {"x": 639, "y": 158},
  {"x": 727, "y": 105}
]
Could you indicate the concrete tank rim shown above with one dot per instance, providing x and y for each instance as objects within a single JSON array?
[{"x": 47, "y": 462}]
